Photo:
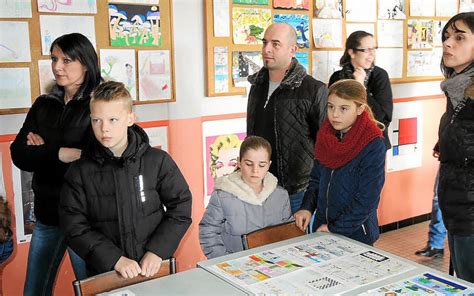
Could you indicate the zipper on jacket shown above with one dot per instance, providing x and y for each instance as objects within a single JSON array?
[
  {"x": 363, "y": 228},
  {"x": 281, "y": 177},
  {"x": 327, "y": 198}
]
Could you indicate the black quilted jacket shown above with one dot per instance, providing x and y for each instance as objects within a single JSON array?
[{"x": 299, "y": 108}]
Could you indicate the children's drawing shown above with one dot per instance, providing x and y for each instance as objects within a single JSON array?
[
  {"x": 221, "y": 140},
  {"x": 300, "y": 22},
  {"x": 325, "y": 63},
  {"x": 15, "y": 9},
  {"x": 388, "y": 33},
  {"x": 438, "y": 26},
  {"x": 424, "y": 63},
  {"x": 249, "y": 24},
  {"x": 14, "y": 42},
  {"x": 291, "y": 4},
  {"x": 67, "y": 6},
  {"x": 327, "y": 33},
  {"x": 15, "y": 88},
  {"x": 245, "y": 63},
  {"x": 302, "y": 57},
  {"x": 53, "y": 26},
  {"x": 328, "y": 9},
  {"x": 422, "y": 7},
  {"x": 221, "y": 69},
  {"x": 134, "y": 25},
  {"x": 392, "y": 9},
  {"x": 154, "y": 75},
  {"x": 389, "y": 59},
  {"x": 46, "y": 76},
  {"x": 119, "y": 65},
  {"x": 420, "y": 34},
  {"x": 360, "y": 11}
]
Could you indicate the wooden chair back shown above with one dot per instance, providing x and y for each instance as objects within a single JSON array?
[
  {"x": 270, "y": 235},
  {"x": 112, "y": 280}
]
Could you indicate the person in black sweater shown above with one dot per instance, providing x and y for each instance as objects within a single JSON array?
[{"x": 357, "y": 63}]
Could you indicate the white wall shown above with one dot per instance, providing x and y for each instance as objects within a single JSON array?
[{"x": 190, "y": 72}]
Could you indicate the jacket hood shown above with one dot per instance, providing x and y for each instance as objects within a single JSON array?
[
  {"x": 235, "y": 185},
  {"x": 138, "y": 143},
  {"x": 293, "y": 78}
]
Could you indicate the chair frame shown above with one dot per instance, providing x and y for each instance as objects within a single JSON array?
[
  {"x": 112, "y": 280},
  {"x": 271, "y": 234}
]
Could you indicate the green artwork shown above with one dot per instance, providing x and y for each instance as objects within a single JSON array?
[{"x": 256, "y": 2}]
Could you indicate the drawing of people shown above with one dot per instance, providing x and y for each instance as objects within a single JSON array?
[{"x": 224, "y": 153}]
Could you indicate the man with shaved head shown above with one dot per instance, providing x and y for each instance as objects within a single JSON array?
[{"x": 286, "y": 106}]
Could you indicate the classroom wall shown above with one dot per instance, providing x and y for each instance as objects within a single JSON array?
[{"x": 406, "y": 193}]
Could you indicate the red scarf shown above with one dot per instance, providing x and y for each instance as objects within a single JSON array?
[{"x": 333, "y": 153}]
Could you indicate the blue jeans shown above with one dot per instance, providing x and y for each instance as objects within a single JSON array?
[
  {"x": 6, "y": 249},
  {"x": 47, "y": 249},
  {"x": 461, "y": 249},
  {"x": 296, "y": 200},
  {"x": 437, "y": 233}
]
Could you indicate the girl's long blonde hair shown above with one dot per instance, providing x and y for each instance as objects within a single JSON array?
[{"x": 351, "y": 90}]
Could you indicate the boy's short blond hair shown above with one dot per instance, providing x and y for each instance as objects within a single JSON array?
[{"x": 112, "y": 91}]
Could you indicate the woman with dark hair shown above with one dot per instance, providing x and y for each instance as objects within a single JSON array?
[
  {"x": 52, "y": 137},
  {"x": 358, "y": 62},
  {"x": 456, "y": 142}
]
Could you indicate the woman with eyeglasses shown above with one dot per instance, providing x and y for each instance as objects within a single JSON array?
[{"x": 358, "y": 62}]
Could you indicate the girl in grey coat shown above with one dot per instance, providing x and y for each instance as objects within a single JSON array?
[{"x": 244, "y": 201}]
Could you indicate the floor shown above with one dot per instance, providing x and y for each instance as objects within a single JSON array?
[{"x": 405, "y": 241}]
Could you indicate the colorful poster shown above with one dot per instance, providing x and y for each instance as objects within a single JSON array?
[
  {"x": 70, "y": 6},
  {"x": 325, "y": 63},
  {"x": 221, "y": 18},
  {"x": 244, "y": 64},
  {"x": 249, "y": 24},
  {"x": 303, "y": 59},
  {"x": 406, "y": 135},
  {"x": 221, "y": 140},
  {"x": 15, "y": 42},
  {"x": 390, "y": 59},
  {"x": 119, "y": 65},
  {"x": 327, "y": 33},
  {"x": 300, "y": 22},
  {"x": 154, "y": 75},
  {"x": 15, "y": 9},
  {"x": 15, "y": 88},
  {"x": 134, "y": 25},
  {"x": 361, "y": 11},
  {"x": 53, "y": 26},
  {"x": 328, "y": 9},
  {"x": 24, "y": 204},
  {"x": 389, "y": 33},
  {"x": 46, "y": 76},
  {"x": 291, "y": 4},
  {"x": 221, "y": 69},
  {"x": 420, "y": 34},
  {"x": 392, "y": 9}
]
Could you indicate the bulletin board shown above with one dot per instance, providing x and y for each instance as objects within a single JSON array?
[
  {"x": 412, "y": 57},
  {"x": 157, "y": 63}
]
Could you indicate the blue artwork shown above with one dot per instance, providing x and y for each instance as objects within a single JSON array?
[
  {"x": 302, "y": 58},
  {"x": 301, "y": 24}
]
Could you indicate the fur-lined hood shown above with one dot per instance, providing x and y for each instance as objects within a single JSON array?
[
  {"x": 293, "y": 78},
  {"x": 235, "y": 185}
]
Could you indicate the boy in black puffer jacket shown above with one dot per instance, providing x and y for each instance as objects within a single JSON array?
[{"x": 124, "y": 204}]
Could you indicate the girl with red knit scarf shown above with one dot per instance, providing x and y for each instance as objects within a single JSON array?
[{"x": 348, "y": 172}]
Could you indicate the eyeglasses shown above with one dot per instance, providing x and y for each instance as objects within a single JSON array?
[{"x": 366, "y": 50}]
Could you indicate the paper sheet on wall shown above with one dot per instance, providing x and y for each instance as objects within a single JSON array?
[
  {"x": 221, "y": 69},
  {"x": 15, "y": 88},
  {"x": 46, "y": 76},
  {"x": 325, "y": 63},
  {"x": 119, "y": 65},
  {"x": 390, "y": 59},
  {"x": 422, "y": 7},
  {"x": 406, "y": 135},
  {"x": 72, "y": 6},
  {"x": 424, "y": 63},
  {"x": 53, "y": 26},
  {"x": 446, "y": 8},
  {"x": 303, "y": 59},
  {"x": 466, "y": 5},
  {"x": 15, "y": 9},
  {"x": 158, "y": 137},
  {"x": 361, "y": 11},
  {"x": 367, "y": 27},
  {"x": 244, "y": 64},
  {"x": 14, "y": 42},
  {"x": 438, "y": 26},
  {"x": 154, "y": 75},
  {"x": 388, "y": 34},
  {"x": 249, "y": 24},
  {"x": 392, "y": 9},
  {"x": 327, "y": 33},
  {"x": 328, "y": 9},
  {"x": 221, "y": 18}
]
